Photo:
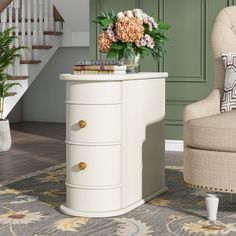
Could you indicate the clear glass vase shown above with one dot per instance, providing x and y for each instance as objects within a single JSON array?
[{"x": 132, "y": 61}]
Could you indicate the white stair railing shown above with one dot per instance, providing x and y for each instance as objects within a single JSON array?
[
  {"x": 10, "y": 24},
  {"x": 23, "y": 41},
  {"x": 4, "y": 19},
  {"x": 10, "y": 14},
  {"x": 41, "y": 36},
  {"x": 35, "y": 29},
  {"x": 31, "y": 18},
  {"x": 29, "y": 30},
  {"x": 46, "y": 14},
  {"x": 51, "y": 19},
  {"x": 17, "y": 11}
]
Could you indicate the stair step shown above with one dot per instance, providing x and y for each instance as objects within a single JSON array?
[
  {"x": 20, "y": 77},
  {"x": 41, "y": 46},
  {"x": 52, "y": 33},
  {"x": 10, "y": 94},
  {"x": 32, "y": 20},
  {"x": 30, "y": 61},
  {"x": 45, "y": 33},
  {"x": 26, "y": 20}
]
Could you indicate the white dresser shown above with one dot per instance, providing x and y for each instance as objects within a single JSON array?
[{"x": 114, "y": 142}]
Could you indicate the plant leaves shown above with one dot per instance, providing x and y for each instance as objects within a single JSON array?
[
  {"x": 112, "y": 54},
  {"x": 163, "y": 26},
  {"x": 106, "y": 22},
  {"x": 117, "y": 46}
]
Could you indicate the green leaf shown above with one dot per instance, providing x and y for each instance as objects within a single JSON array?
[
  {"x": 106, "y": 22},
  {"x": 129, "y": 45},
  {"x": 112, "y": 54},
  {"x": 144, "y": 51},
  {"x": 8, "y": 56},
  {"x": 117, "y": 46},
  {"x": 163, "y": 26},
  {"x": 146, "y": 28},
  {"x": 100, "y": 17},
  {"x": 121, "y": 53},
  {"x": 103, "y": 14}
]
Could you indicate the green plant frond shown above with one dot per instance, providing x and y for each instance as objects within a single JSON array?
[
  {"x": 8, "y": 86},
  {"x": 105, "y": 19},
  {"x": 112, "y": 13},
  {"x": 117, "y": 46},
  {"x": 8, "y": 53},
  {"x": 106, "y": 22},
  {"x": 103, "y": 14},
  {"x": 8, "y": 56},
  {"x": 4, "y": 77},
  {"x": 163, "y": 26}
]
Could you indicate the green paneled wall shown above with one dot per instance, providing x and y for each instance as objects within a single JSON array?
[{"x": 188, "y": 58}]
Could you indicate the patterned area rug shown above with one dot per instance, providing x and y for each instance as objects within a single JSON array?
[{"x": 29, "y": 207}]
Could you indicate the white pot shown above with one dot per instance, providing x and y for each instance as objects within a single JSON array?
[{"x": 5, "y": 136}]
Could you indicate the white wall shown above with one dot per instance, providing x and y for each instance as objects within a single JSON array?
[
  {"x": 16, "y": 113},
  {"x": 45, "y": 99},
  {"x": 76, "y": 26}
]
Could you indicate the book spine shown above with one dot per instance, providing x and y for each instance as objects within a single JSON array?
[
  {"x": 97, "y": 72},
  {"x": 98, "y": 67},
  {"x": 99, "y": 62}
]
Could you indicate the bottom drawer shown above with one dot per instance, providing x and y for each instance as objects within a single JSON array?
[
  {"x": 99, "y": 200},
  {"x": 102, "y": 165}
]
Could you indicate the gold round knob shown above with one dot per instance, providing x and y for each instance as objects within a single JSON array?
[
  {"x": 82, "y": 124},
  {"x": 82, "y": 165}
]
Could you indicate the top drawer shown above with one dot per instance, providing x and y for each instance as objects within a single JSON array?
[{"x": 93, "y": 92}]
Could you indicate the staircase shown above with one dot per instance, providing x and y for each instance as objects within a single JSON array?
[{"x": 38, "y": 25}]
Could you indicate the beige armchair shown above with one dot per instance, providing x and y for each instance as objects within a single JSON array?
[{"x": 210, "y": 136}]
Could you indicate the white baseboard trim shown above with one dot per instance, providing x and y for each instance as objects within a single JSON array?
[{"x": 174, "y": 145}]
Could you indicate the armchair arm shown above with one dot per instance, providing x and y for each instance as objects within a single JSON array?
[{"x": 205, "y": 107}]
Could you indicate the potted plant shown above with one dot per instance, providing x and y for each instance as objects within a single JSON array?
[
  {"x": 8, "y": 56},
  {"x": 130, "y": 34}
]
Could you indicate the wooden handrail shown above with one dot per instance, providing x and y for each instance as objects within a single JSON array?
[
  {"x": 56, "y": 15},
  {"x": 4, "y": 4}
]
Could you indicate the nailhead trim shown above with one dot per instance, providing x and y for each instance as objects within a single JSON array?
[{"x": 206, "y": 187}]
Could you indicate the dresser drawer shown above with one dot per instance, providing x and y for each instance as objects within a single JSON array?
[
  {"x": 88, "y": 200},
  {"x": 93, "y": 165},
  {"x": 93, "y": 92},
  {"x": 94, "y": 123}
]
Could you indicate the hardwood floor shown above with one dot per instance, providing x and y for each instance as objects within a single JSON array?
[
  {"x": 174, "y": 158},
  {"x": 36, "y": 146}
]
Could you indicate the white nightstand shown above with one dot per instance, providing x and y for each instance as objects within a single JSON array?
[{"x": 114, "y": 142}]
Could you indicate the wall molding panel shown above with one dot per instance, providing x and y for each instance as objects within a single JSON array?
[{"x": 188, "y": 59}]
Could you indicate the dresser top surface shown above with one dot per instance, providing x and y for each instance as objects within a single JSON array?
[{"x": 112, "y": 77}]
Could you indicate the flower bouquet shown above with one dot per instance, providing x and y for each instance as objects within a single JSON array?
[{"x": 131, "y": 33}]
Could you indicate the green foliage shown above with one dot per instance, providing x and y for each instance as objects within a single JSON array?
[
  {"x": 121, "y": 49},
  {"x": 106, "y": 18},
  {"x": 8, "y": 56}
]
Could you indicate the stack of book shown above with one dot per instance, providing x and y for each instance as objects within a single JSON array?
[{"x": 99, "y": 67}]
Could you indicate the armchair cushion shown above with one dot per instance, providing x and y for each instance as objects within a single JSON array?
[
  {"x": 203, "y": 108},
  {"x": 228, "y": 101},
  {"x": 216, "y": 132}
]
